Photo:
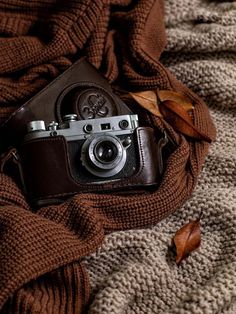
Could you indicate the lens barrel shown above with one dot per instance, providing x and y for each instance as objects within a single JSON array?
[{"x": 103, "y": 156}]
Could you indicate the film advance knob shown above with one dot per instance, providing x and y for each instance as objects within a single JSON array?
[{"x": 38, "y": 125}]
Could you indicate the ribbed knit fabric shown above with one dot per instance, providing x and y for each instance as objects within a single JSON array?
[
  {"x": 135, "y": 271},
  {"x": 40, "y": 252},
  {"x": 50, "y": 293}
]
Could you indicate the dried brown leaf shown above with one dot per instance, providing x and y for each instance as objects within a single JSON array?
[
  {"x": 187, "y": 239},
  {"x": 148, "y": 100},
  {"x": 181, "y": 99},
  {"x": 177, "y": 116}
]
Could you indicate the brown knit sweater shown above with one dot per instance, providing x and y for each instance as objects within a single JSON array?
[{"x": 40, "y": 269}]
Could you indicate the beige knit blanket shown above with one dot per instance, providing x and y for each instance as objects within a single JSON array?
[{"x": 134, "y": 271}]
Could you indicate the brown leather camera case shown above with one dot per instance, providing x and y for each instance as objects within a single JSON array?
[{"x": 48, "y": 174}]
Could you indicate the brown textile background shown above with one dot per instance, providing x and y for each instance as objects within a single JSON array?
[{"x": 40, "y": 252}]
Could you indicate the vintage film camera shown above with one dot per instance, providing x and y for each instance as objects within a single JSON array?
[
  {"x": 98, "y": 148},
  {"x": 78, "y": 136}
]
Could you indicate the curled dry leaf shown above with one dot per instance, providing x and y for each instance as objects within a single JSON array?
[
  {"x": 173, "y": 107},
  {"x": 177, "y": 116},
  {"x": 181, "y": 99},
  {"x": 148, "y": 100},
  {"x": 187, "y": 239}
]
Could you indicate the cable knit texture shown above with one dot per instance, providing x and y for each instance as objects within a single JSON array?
[
  {"x": 134, "y": 271},
  {"x": 40, "y": 252}
]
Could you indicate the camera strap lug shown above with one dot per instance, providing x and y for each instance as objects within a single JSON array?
[
  {"x": 160, "y": 145},
  {"x": 12, "y": 156},
  {"x": 7, "y": 156}
]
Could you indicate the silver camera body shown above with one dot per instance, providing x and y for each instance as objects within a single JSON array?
[{"x": 104, "y": 142}]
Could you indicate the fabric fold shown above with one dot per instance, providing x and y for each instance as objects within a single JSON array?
[{"x": 41, "y": 250}]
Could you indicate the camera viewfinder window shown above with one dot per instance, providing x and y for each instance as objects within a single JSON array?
[{"x": 105, "y": 126}]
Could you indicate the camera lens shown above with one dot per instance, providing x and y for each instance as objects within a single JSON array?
[
  {"x": 104, "y": 156},
  {"x": 105, "y": 152}
]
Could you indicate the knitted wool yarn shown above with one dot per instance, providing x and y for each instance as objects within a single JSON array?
[
  {"x": 134, "y": 271},
  {"x": 40, "y": 252}
]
